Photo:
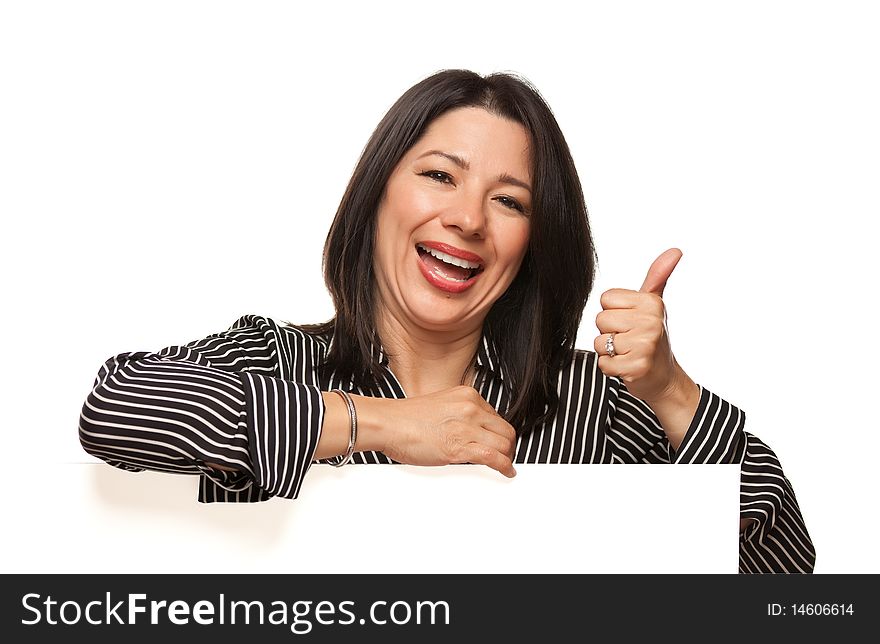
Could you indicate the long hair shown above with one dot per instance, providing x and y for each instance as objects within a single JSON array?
[{"x": 534, "y": 323}]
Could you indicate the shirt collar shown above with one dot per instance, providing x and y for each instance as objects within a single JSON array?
[{"x": 488, "y": 356}]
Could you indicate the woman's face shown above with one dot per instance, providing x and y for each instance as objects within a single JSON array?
[{"x": 453, "y": 223}]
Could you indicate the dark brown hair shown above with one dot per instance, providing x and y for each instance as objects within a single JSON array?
[{"x": 534, "y": 324}]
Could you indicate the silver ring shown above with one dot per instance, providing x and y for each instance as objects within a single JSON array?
[{"x": 609, "y": 345}]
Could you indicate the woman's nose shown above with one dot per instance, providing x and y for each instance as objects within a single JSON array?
[{"x": 467, "y": 215}]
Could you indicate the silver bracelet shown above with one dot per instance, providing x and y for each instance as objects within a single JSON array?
[{"x": 339, "y": 461}]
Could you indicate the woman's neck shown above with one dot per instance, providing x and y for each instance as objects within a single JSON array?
[{"x": 426, "y": 361}]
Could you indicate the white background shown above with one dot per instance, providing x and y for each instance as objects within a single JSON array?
[{"x": 166, "y": 167}]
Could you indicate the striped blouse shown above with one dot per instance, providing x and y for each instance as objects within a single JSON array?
[{"x": 250, "y": 398}]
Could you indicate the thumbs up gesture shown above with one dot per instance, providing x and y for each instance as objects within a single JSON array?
[{"x": 636, "y": 322}]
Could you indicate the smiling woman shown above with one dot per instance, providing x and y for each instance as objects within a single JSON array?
[
  {"x": 450, "y": 237},
  {"x": 459, "y": 261}
]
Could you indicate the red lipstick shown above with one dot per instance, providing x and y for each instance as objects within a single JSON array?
[{"x": 448, "y": 268}]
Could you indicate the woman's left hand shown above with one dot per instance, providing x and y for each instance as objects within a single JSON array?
[{"x": 642, "y": 355}]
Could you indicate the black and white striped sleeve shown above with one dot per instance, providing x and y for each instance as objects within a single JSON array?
[
  {"x": 218, "y": 400},
  {"x": 778, "y": 541}
]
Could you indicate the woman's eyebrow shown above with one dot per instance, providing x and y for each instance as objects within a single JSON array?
[
  {"x": 464, "y": 165},
  {"x": 457, "y": 160}
]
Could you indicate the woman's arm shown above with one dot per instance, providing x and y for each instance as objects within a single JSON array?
[
  {"x": 216, "y": 407},
  {"x": 167, "y": 413}
]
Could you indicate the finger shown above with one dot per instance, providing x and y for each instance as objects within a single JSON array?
[
  {"x": 634, "y": 303},
  {"x": 484, "y": 455},
  {"x": 660, "y": 270},
  {"x": 617, "y": 320},
  {"x": 609, "y": 367},
  {"x": 501, "y": 430},
  {"x": 489, "y": 438},
  {"x": 620, "y": 298},
  {"x": 620, "y": 344}
]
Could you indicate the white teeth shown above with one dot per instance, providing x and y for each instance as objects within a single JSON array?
[{"x": 449, "y": 259}]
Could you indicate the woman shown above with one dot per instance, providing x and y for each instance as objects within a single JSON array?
[{"x": 459, "y": 262}]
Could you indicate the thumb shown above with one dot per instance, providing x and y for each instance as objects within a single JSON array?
[{"x": 660, "y": 271}]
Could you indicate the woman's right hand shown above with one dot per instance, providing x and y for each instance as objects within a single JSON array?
[
  {"x": 450, "y": 426},
  {"x": 454, "y": 425}
]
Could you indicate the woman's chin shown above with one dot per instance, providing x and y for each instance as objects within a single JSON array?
[{"x": 440, "y": 312}]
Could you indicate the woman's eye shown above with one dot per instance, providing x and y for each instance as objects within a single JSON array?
[
  {"x": 438, "y": 176},
  {"x": 512, "y": 203}
]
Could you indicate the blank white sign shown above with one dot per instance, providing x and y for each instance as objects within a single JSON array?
[{"x": 382, "y": 519}]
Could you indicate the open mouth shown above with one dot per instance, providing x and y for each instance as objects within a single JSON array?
[{"x": 446, "y": 271}]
